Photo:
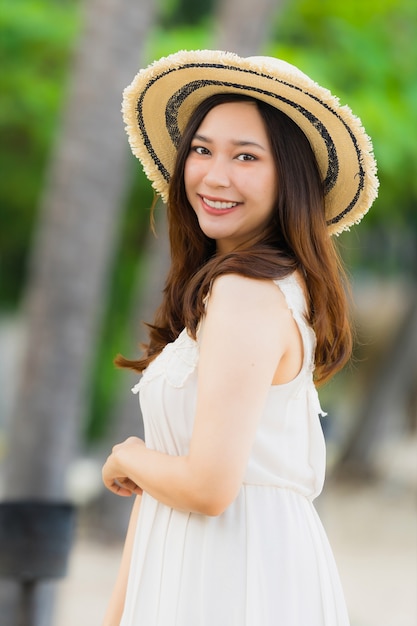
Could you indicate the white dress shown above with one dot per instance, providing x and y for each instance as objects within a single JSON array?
[{"x": 266, "y": 560}]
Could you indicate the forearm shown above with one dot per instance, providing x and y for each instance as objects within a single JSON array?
[
  {"x": 168, "y": 479},
  {"x": 194, "y": 483}
]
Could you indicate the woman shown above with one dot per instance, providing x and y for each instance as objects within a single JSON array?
[{"x": 259, "y": 166}]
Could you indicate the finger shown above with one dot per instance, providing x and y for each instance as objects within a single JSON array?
[
  {"x": 116, "y": 486},
  {"x": 130, "y": 485},
  {"x": 127, "y": 483},
  {"x": 121, "y": 490}
]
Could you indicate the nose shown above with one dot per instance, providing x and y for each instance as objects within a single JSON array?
[{"x": 217, "y": 174}]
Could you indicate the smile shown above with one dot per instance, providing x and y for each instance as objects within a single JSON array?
[{"x": 219, "y": 205}]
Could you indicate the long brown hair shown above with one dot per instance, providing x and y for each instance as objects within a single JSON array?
[{"x": 296, "y": 237}]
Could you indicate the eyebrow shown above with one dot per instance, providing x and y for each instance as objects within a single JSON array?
[{"x": 240, "y": 143}]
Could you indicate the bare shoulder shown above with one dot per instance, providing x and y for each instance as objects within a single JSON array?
[
  {"x": 247, "y": 303},
  {"x": 248, "y": 318},
  {"x": 234, "y": 292}
]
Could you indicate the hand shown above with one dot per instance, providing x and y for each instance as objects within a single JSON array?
[{"x": 113, "y": 473}]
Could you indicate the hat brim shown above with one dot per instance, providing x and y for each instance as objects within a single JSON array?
[{"x": 160, "y": 100}]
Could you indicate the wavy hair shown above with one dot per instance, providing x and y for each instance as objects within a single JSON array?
[{"x": 296, "y": 237}]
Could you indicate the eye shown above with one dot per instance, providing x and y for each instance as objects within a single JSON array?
[
  {"x": 200, "y": 150},
  {"x": 246, "y": 157}
]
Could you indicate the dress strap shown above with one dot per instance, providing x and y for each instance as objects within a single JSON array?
[
  {"x": 294, "y": 295},
  {"x": 296, "y": 302}
]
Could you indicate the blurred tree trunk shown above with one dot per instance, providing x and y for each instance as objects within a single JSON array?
[
  {"x": 243, "y": 26},
  {"x": 72, "y": 256},
  {"x": 389, "y": 402}
]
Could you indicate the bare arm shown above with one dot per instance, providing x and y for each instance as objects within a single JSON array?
[
  {"x": 117, "y": 599},
  {"x": 248, "y": 330}
]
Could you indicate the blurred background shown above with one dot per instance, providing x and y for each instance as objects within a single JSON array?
[{"x": 80, "y": 269}]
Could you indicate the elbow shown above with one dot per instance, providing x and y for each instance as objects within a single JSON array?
[
  {"x": 210, "y": 488},
  {"x": 211, "y": 508},
  {"x": 213, "y": 502}
]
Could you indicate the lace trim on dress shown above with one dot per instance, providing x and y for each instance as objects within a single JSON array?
[{"x": 176, "y": 362}]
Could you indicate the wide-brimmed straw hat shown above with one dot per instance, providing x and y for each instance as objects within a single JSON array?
[{"x": 162, "y": 97}]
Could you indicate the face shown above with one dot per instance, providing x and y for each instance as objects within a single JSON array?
[{"x": 230, "y": 176}]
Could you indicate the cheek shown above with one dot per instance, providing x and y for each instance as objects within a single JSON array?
[
  {"x": 191, "y": 174},
  {"x": 186, "y": 176},
  {"x": 269, "y": 190}
]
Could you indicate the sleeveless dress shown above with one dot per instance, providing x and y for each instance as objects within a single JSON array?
[{"x": 266, "y": 560}]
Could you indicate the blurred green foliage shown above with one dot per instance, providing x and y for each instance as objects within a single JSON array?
[
  {"x": 364, "y": 51},
  {"x": 175, "y": 13},
  {"x": 35, "y": 44}
]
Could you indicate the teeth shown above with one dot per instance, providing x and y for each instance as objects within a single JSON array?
[{"x": 219, "y": 205}]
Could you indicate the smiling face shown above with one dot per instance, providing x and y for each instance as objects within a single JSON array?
[{"x": 230, "y": 175}]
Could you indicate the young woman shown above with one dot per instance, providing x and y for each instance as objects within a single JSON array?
[{"x": 259, "y": 166}]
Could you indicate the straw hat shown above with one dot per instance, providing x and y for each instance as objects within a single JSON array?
[{"x": 162, "y": 97}]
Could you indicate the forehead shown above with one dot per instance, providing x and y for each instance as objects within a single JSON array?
[{"x": 232, "y": 118}]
